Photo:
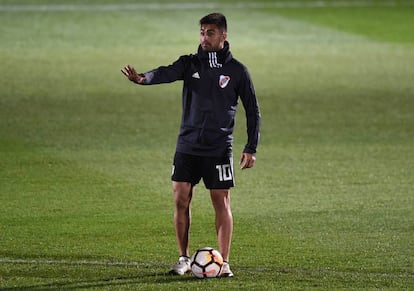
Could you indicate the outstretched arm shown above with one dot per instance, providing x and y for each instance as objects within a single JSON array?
[{"x": 132, "y": 75}]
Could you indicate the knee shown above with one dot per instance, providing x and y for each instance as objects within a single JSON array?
[
  {"x": 182, "y": 195},
  {"x": 182, "y": 203},
  {"x": 221, "y": 200}
]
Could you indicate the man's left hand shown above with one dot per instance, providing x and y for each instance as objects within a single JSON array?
[{"x": 247, "y": 161}]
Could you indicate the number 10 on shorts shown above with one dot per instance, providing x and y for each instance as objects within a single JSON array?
[{"x": 225, "y": 172}]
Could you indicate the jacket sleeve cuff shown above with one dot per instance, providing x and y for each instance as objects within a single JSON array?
[{"x": 249, "y": 150}]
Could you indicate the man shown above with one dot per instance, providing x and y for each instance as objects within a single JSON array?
[{"x": 213, "y": 82}]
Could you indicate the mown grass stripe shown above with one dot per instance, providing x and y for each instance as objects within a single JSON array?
[
  {"x": 158, "y": 264},
  {"x": 196, "y": 5}
]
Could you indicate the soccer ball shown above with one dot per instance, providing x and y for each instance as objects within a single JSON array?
[{"x": 206, "y": 263}]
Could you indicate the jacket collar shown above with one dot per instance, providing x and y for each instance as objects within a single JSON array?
[{"x": 215, "y": 59}]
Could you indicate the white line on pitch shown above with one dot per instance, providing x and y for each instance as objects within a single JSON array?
[{"x": 78, "y": 262}]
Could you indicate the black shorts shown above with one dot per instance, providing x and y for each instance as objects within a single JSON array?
[{"x": 217, "y": 173}]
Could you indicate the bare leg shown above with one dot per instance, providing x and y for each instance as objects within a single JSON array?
[
  {"x": 183, "y": 192},
  {"x": 224, "y": 220}
]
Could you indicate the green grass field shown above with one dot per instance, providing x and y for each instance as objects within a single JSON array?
[{"x": 85, "y": 156}]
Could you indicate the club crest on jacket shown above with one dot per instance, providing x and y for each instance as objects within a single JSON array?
[{"x": 223, "y": 81}]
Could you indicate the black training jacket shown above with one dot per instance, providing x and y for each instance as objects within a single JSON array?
[{"x": 213, "y": 82}]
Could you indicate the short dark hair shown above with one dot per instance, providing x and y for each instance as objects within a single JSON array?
[{"x": 217, "y": 19}]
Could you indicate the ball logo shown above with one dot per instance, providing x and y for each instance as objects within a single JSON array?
[
  {"x": 211, "y": 272},
  {"x": 223, "y": 81}
]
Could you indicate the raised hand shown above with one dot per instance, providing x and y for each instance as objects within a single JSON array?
[{"x": 132, "y": 75}]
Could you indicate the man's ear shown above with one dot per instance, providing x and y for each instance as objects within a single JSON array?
[{"x": 224, "y": 36}]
